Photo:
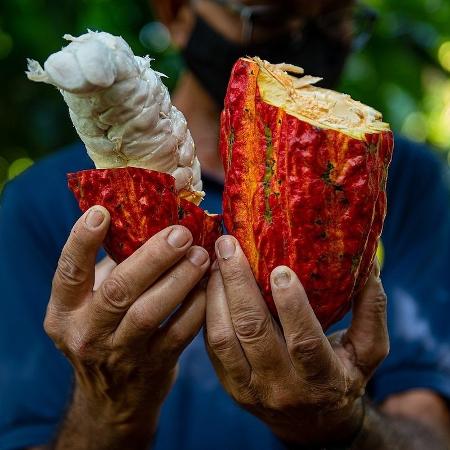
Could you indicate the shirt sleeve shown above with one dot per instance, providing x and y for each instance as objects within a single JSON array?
[
  {"x": 35, "y": 379},
  {"x": 415, "y": 275}
]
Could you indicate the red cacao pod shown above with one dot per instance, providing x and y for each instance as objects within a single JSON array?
[
  {"x": 306, "y": 172},
  {"x": 141, "y": 202}
]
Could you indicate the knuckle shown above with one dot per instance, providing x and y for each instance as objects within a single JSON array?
[
  {"x": 51, "y": 327},
  {"x": 246, "y": 399},
  {"x": 220, "y": 340},
  {"x": 115, "y": 293},
  {"x": 240, "y": 379},
  {"x": 379, "y": 303},
  {"x": 177, "y": 339},
  {"x": 318, "y": 398},
  {"x": 305, "y": 350},
  {"x": 281, "y": 400},
  {"x": 81, "y": 346},
  {"x": 69, "y": 272},
  {"x": 139, "y": 320},
  {"x": 251, "y": 326},
  {"x": 77, "y": 351}
]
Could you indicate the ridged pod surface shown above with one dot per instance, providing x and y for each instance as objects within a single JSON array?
[
  {"x": 301, "y": 194},
  {"x": 141, "y": 203}
]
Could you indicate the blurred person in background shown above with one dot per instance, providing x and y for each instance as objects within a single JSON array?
[{"x": 248, "y": 388}]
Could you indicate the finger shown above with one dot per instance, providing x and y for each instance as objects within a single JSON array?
[
  {"x": 134, "y": 275},
  {"x": 74, "y": 276},
  {"x": 253, "y": 325},
  {"x": 309, "y": 349},
  {"x": 177, "y": 333},
  {"x": 220, "y": 337},
  {"x": 102, "y": 271},
  {"x": 367, "y": 338},
  {"x": 153, "y": 307}
]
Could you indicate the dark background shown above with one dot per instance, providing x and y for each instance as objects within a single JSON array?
[{"x": 404, "y": 70}]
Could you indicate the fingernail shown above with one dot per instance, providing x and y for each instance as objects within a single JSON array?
[
  {"x": 197, "y": 256},
  {"x": 178, "y": 237},
  {"x": 95, "y": 218},
  {"x": 282, "y": 278},
  {"x": 226, "y": 247}
]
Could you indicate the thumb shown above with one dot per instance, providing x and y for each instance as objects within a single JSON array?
[{"x": 367, "y": 336}]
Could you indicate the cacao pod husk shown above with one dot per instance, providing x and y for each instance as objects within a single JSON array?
[
  {"x": 141, "y": 203},
  {"x": 300, "y": 193}
]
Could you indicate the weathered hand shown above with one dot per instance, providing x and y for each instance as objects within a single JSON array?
[
  {"x": 123, "y": 339},
  {"x": 305, "y": 387}
]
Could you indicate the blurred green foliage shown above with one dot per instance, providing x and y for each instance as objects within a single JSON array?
[{"x": 403, "y": 71}]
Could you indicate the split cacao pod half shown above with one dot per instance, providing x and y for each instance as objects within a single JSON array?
[
  {"x": 141, "y": 203},
  {"x": 305, "y": 182}
]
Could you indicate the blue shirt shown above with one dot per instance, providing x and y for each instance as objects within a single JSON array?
[{"x": 36, "y": 215}]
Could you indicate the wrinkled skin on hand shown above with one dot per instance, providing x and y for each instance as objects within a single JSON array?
[
  {"x": 306, "y": 387},
  {"x": 117, "y": 334}
]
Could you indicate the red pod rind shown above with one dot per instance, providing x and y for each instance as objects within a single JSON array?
[
  {"x": 141, "y": 203},
  {"x": 300, "y": 195}
]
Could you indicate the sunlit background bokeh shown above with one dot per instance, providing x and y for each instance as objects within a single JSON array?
[{"x": 404, "y": 70}]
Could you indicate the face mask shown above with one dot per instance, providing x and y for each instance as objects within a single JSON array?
[{"x": 210, "y": 57}]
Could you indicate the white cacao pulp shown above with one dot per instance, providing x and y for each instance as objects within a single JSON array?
[{"x": 120, "y": 107}]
